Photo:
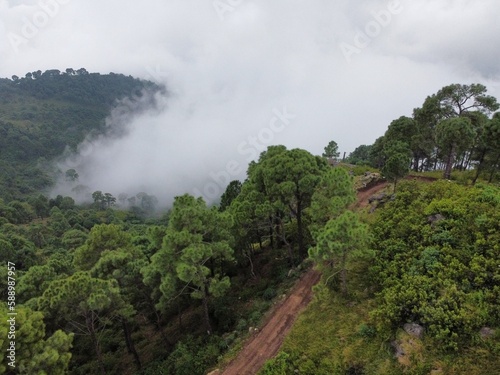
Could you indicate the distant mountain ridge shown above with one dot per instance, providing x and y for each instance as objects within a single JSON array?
[{"x": 42, "y": 114}]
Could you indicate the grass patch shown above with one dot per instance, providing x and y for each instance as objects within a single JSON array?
[{"x": 336, "y": 336}]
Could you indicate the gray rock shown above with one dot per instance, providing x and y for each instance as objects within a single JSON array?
[
  {"x": 486, "y": 332},
  {"x": 436, "y": 218},
  {"x": 399, "y": 352},
  {"x": 414, "y": 329},
  {"x": 378, "y": 197}
]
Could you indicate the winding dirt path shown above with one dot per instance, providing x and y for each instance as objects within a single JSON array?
[
  {"x": 266, "y": 344},
  {"x": 364, "y": 194}
]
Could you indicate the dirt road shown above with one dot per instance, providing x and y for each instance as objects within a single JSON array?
[
  {"x": 364, "y": 194},
  {"x": 266, "y": 344}
]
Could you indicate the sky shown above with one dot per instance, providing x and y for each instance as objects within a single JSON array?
[{"x": 242, "y": 75}]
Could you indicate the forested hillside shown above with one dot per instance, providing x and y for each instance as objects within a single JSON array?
[
  {"x": 410, "y": 278},
  {"x": 42, "y": 114}
]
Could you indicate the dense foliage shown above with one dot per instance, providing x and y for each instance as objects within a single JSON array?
[
  {"x": 427, "y": 269},
  {"x": 42, "y": 114},
  {"x": 105, "y": 290},
  {"x": 434, "y": 272}
]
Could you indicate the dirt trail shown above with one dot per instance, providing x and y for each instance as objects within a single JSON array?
[
  {"x": 266, "y": 344},
  {"x": 364, "y": 194}
]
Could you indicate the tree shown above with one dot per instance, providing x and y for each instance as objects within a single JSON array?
[
  {"x": 451, "y": 101},
  {"x": 102, "y": 238},
  {"x": 341, "y": 240},
  {"x": 331, "y": 150},
  {"x": 109, "y": 200},
  {"x": 360, "y": 156},
  {"x": 397, "y": 164},
  {"x": 251, "y": 223},
  {"x": 455, "y": 100},
  {"x": 232, "y": 191},
  {"x": 418, "y": 138},
  {"x": 124, "y": 267},
  {"x": 98, "y": 198},
  {"x": 209, "y": 240},
  {"x": 333, "y": 195},
  {"x": 453, "y": 136},
  {"x": 377, "y": 153},
  {"x": 34, "y": 282},
  {"x": 286, "y": 180},
  {"x": 40, "y": 204},
  {"x": 147, "y": 202},
  {"x": 58, "y": 222},
  {"x": 489, "y": 147},
  {"x": 197, "y": 238},
  {"x": 88, "y": 305},
  {"x": 71, "y": 175},
  {"x": 35, "y": 353}
]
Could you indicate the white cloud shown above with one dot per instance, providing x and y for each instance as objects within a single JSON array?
[{"x": 226, "y": 77}]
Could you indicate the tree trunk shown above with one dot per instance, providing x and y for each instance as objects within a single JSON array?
[
  {"x": 271, "y": 232},
  {"x": 449, "y": 164},
  {"x": 462, "y": 162},
  {"x": 179, "y": 314},
  {"x": 479, "y": 167},
  {"x": 157, "y": 321},
  {"x": 343, "y": 274},
  {"x": 248, "y": 254},
  {"x": 97, "y": 347},
  {"x": 416, "y": 160},
  {"x": 469, "y": 158},
  {"x": 130, "y": 343},
  {"x": 494, "y": 169},
  {"x": 205, "y": 309},
  {"x": 300, "y": 229}
]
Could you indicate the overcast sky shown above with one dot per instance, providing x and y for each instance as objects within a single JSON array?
[{"x": 292, "y": 72}]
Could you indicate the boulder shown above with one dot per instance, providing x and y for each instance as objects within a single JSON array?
[
  {"x": 377, "y": 197},
  {"x": 367, "y": 180},
  {"x": 414, "y": 329},
  {"x": 436, "y": 218},
  {"x": 398, "y": 349},
  {"x": 486, "y": 332}
]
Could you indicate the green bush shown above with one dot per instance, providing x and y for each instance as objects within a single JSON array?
[
  {"x": 367, "y": 331},
  {"x": 269, "y": 294}
]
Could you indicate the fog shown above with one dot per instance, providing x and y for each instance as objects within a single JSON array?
[{"x": 242, "y": 75}]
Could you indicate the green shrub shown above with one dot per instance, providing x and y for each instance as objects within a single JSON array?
[
  {"x": 269, "y": 294},
  {"x": 367, "y": 331}
]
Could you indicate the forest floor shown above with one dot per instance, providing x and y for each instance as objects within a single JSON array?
[{"x": 266, "y": 343}]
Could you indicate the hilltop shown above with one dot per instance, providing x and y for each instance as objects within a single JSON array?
[{"x": 43, "y": 114}]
